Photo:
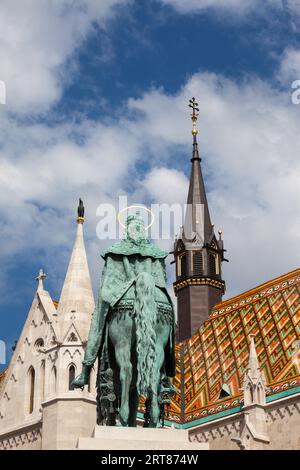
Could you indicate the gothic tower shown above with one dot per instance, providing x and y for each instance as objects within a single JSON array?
[
  {"x": 69, "y": 413},
  {"x": 39, "y": 408},
  {"x": 198, "y": 254}
]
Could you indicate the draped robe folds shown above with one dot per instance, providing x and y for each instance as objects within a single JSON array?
[{"x": 124, "y": 261}]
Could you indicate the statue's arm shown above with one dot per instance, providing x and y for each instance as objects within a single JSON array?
[
  {"x": 95, "y": 334},
  {"x": 94, "y": 339}
]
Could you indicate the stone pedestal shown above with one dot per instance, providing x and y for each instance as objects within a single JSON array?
[
  {"x": 65, "y": 419},
  {"x": 119, "y": 438}
]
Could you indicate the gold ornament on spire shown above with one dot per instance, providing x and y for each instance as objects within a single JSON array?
[{"x": 194, "y": 105}]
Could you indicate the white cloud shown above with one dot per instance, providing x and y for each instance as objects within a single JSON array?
[
  {"x": 237, "y": 8},
  {"x": 290, "y": 66},
  {"x": 37, "y": 39},
  {"x": 45, "y": 177},
  {"x": 291, "y": 5},
  {"x": 166, "y": 185},
  {"x": 250, "y": 148},
  {"x": 220, "y": 5},
  {"x": 248, "y": 141}
]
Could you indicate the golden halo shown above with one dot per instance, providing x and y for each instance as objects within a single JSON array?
[{"x": 136, "y": 207}]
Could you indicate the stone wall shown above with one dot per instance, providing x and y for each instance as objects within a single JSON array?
[
  {"x": 26, "y": 438},
  {"x": 283, "y": 428},
  {"x": 283, "y": 421},
  {"x": 218, "y": 433}
]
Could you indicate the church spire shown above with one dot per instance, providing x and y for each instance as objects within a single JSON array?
[
  {"x": 198, "y": 254},
  {"x": 76, "y": 303},
  {"x": 197, "y": 220}
]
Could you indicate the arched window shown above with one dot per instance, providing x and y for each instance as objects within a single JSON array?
[
  {"x": 248, "y": 398},
  {"x": 42, "y": 382},
  {"x": 260, "y": 395},
  {"x": 31, "y": 379},
  {"x": 251, "y": 394},
  {"x": 53, "y": 380},
  {"x": 71, "y": 377},
  {"x": 197, "y": 263}
]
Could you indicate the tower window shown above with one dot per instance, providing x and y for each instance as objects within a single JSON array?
[
  {"x": 197, "y": 263},
  {"x": 71, "y": 377},
  {"x": 183, "y": 266},
  {"x": 212, "y": 264}
]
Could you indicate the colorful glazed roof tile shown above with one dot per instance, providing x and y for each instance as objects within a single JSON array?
[
  {"x": 218, "y": 353},
  {"x": 2, "y": 375}
]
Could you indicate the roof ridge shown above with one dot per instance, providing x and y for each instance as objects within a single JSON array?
[{"x": 253, "y": 290}]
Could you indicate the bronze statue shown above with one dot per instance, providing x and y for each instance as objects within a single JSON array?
[{"x": 132, "y": 331}]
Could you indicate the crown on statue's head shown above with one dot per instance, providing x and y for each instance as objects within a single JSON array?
[
  {"x": 135, "y": 228},
  {"x": 135, "y": 218}
]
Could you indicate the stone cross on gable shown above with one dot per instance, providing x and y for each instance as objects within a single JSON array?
[{"x": 41, "y": 276}]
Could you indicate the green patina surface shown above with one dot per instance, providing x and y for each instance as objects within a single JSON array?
[
  {"x": 128, "y": 247},
  {"x": 132, "y": 331}
]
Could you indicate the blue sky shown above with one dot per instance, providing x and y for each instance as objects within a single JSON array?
[{"x": 96, "y": 107}]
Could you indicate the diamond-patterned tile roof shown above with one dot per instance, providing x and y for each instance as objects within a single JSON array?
[{"x": 218, "y": 353}]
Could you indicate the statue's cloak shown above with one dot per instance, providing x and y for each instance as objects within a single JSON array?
[{"x": 123, "y": 261}]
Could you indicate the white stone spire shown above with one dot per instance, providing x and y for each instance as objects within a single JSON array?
[
  {"x": 76, "y": 303},
  {"x": 254, "y": 380},
  {"x": 253, "y": 370},
  {"x": 253, "y": 431}
]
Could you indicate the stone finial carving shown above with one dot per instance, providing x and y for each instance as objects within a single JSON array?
[
  {"x": 253, "y": 433},
  {"x": 254, "y": 385},
  {"x": 40, "y": 278}
]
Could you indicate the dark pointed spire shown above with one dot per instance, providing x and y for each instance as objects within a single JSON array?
[
  {"x": 198, "y": 254},
  {"x": 197, "y": 202}
]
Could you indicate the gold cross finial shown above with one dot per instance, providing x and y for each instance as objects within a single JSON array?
[{"x": 194, "y": 105}]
